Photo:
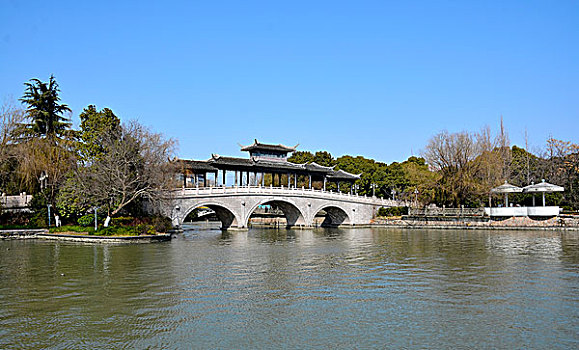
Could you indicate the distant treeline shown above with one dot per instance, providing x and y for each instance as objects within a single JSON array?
[{"x": 460, "y": 169}]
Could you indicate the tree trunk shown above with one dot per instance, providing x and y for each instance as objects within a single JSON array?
[{"x": 107, "y": 221}]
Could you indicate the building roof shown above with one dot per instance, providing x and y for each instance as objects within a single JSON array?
[{"x": 268, "y": 147}]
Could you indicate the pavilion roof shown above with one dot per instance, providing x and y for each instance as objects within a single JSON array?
[
  {"x": 268, "y": 147},
  {"x": 343, "y": 175},
  {"x": 255, "y": 164},
  {"x": 198, "y": 165},
  {"x": 543, "y": 187},
  {"x": 313, "y": 166},
  {"x": 506, "y": 188}
]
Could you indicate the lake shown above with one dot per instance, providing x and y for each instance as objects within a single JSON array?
[{"x": 322, "y": 288}]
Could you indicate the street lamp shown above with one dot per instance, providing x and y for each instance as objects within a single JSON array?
[
  {"x": 393, "y": 194},
  {"x": 49, "y": 206},
  {"x": 373, "y": 190}
]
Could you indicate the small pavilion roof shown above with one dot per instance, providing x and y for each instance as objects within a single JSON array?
[
  {"x": 542, "y": 187},
  {"x": 268, "y": 147},
  {"x": 506, "y": 188}
]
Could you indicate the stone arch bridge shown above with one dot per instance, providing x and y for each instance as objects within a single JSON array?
[{"x": 235, "y": 205}]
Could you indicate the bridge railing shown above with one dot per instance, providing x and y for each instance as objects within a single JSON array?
[{"x": 208, "y": 191}]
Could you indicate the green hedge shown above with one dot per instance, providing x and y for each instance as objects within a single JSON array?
[{"x": 393, "y": 211}]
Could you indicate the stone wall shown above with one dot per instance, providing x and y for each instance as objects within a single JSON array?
[{"x": 569, "y": 222}]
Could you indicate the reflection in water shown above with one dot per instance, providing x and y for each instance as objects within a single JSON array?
[{"x": 356, "y": 288}]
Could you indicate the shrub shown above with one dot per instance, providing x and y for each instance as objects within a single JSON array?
[
  {"x": 122, "y": 221},
  {"x": 161, "y": 223},
  {"x": 40, "y": 218},
  {"x": 144, "y": 229},
  {"x": 86, "y": 220},
  {"x": 393, "y": 211}
]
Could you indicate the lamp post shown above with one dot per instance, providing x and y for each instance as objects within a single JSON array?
[
  {"x": 373, "y": 190},
  {"x": 49, "y": 206},
  {"x": 416, "y": 197},
  {"x": 393, "y": 192},
  {"x": 95, "y": 219}
]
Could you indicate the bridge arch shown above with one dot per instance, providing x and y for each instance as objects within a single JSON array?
[
  {"x": 336, "y": 215},
  {"x": 293, "y": 214},
  {"x": 225, "y": 214}
]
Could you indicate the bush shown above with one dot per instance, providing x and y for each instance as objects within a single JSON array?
[
  {"x": 123, "y": 221},
  {"x": 393, "y": 211},
  {"x": 144, "y": 229},
  {"x": 86, "y": 220},
  {"x": 161, "y": 223},
  {"x": 40, "y": 218}
]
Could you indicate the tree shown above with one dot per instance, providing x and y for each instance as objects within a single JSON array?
[
  {"x": 301, "y": 157},
  {"x": 96, "y": 126},
  {"x": 324, "y": 158},
  {"x": 10, "y": 119},
  {"x": 452, "y": 155},
  {"x": 45, "y": 112},
  {"x": 134, "y": 165}
]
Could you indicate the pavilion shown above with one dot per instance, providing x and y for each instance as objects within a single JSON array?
[
  {"x": 264, "y": 159},
  {"x": 510, "y": 210}
]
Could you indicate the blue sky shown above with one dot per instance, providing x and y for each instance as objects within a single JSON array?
[{"x": 371, "y": 78}]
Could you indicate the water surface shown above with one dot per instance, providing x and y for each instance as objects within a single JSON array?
[{"x": 355, "y": 288}]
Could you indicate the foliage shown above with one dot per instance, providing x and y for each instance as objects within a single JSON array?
[
  {"x": 301, "y": 157},
  {"x": 16, "y": 220},
  {"x": 46, "y": 163},
  {"x": 44, "y": 110},
  {"x": 40, "y": 218},
  {"x": 70, "y": 228},
  {"x": 392, "y": 211},
  {"x": 10, "y": 118},
  {"x": 106, "y": 231},
  {"x": 95, "y": 128},
  {"x": 133, "y": 165},
  {"x": 86, "y": 220}
]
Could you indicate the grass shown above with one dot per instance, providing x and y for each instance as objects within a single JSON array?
[{"x": 107, "y": 231}]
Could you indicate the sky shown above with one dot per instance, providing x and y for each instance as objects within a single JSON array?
[{"x": 370, "y": 78}]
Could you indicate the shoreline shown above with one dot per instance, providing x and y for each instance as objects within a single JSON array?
[{"x": 76, "y": 237}]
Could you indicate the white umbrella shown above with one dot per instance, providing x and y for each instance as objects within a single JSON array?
[{"x": 543, "y": 187}]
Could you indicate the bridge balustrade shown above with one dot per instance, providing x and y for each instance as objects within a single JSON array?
[{"x": 220, "y": 190}]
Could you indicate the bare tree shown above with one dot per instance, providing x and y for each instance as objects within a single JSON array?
[
  {"x": 469, "y": 164},
  {"x": 10, "y": 119},
  {"x": 134, "y": 165},
  {"x": 452, "y": 155}
]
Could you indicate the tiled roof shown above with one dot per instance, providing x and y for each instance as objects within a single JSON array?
[
  {"x": 313, "y": 166},
  {"x": 343, "y": 175},
  {"x": 198, "y": 165},
  {"x": 252, "y": 164},
  {"x": 267, "y": 147}
]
